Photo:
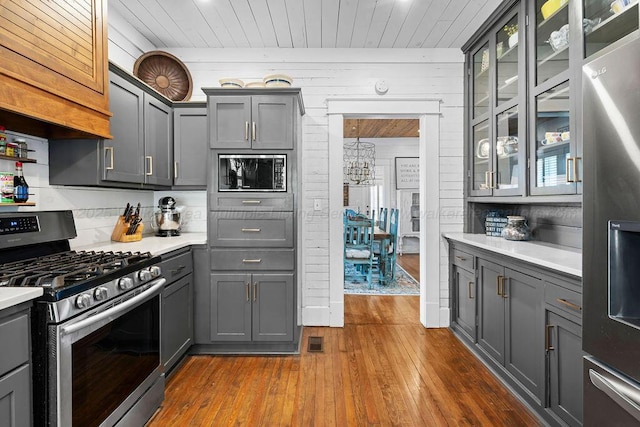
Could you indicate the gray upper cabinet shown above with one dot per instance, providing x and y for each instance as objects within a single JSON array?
[
  {"x": 252, "y": 121},
  {"x": 190, "y": 146},
  {"x": 123, "y": 155},
  {"x": 141, "y": 151},
  {"x": 497, "y": 109}
]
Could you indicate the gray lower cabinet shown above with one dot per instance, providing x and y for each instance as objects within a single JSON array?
[
  {"x": 190, "y": 146},
  {"x": 563, "y": 344},
  {"x": 528, "y": 323},
  {"x": 510, "y": 311},
  {"x": 177, "y": 308},
  {"x": 252, "y": 307},
  {"x": 15, "y": 367}
]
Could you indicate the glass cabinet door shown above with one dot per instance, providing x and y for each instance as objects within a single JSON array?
[
  {"x": 482, "y": 158},
  {"x": 507, "y": 61},
  {"x": 606, "y": 22},
  {"x": 507, "y": 150},
  {"x": 481, "y": 67},
  {"x": 551, "y": 39},
  {"x": 553, "y": 168}
]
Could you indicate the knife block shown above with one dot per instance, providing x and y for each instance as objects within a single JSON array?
[{"x": 120, "y": 231}]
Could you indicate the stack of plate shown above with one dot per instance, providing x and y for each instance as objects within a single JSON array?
[{"x": 277, "y": 80}]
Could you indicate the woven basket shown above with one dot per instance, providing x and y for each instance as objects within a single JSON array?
[{"x": 165, "y": 73}]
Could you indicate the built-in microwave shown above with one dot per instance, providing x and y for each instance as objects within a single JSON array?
[{"x": 252, "y": 172}]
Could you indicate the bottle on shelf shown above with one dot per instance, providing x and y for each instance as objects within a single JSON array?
[
  {"x": 3, "y": 141},
  {"x": 20, "y": 186}
]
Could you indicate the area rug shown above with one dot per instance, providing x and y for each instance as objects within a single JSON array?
[{"x": 403, "y": 284}]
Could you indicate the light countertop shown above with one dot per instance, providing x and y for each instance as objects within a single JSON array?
[
  {"x": 14, "y": 296},
  {"x": 153, "y": 244},
  {"x": 554, "y": 257}
]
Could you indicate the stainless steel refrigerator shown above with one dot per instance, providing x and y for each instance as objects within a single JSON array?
[{"x": 611, "y": 233}]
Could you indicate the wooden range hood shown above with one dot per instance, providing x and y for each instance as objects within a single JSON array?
[{"x": 53, "y": 74}]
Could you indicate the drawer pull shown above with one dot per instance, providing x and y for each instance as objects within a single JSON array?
[
  {"x": 251, "y": 230},
  {"x": 470, "y": 293},
  {"x": 178, "y": 270},
  {"x": 252, "y": 261},
  {"x": 547, "y": 338},
  {"x": 569, "y": 304},
  {"x": 251, "y": 202},
  {"x": 460, "y": 258}
]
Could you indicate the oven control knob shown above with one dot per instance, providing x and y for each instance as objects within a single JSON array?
[
  {"x": 155, "y": 271},
  {"x": 125, "y": 283},
  {"x": 144, "y": 275},
  {"x": 100, "y": 293},
  {"x": 83, "y": 301}
]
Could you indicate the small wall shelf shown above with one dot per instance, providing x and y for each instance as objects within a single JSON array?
[
  {"x": 17, "y": 159},
  {"x": 18, "y": 204}
]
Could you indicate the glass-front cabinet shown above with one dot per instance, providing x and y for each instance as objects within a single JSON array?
[
  {"x": 497, "y": 87},
  {"x": 605, "y": 22},
  {"x": 554, "y": 158}
]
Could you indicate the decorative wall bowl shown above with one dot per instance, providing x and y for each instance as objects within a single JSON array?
[{"x": 165, "y": 73}]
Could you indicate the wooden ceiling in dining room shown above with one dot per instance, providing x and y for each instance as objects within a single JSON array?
[{"x": 381, "y": 128}]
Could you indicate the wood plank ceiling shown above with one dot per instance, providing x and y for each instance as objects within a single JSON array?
[
  {"x": 305, "y": 23},
  {"x": 381, "y": 128}
]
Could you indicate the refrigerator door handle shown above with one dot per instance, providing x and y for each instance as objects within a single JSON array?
[{"x": 624, "y": 395}]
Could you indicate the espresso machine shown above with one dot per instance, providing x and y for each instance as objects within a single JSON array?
[{"x": 167, "y": 220}]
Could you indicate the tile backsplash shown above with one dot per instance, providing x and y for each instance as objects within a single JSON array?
[{"x": 96, "y": 210}]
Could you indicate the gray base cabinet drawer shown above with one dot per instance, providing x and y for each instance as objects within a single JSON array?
[
  {"x": 177, "y": 267},
  {"x": 563, "y": 299},
  {"x": 252, "y": 259},
  {"x": 251, "y": 229},
  {"x": 15, "y": 398},
  {"x": 462, "y": 259},
  {"x": 14, "y": 333},
  {"x": 253, "y": 202}
]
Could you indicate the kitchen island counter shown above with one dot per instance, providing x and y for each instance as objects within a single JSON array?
[
  {"x": 153, "y": 244},
  {"x": 554, "y": 257}
]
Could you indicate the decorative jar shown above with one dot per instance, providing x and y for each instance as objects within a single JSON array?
[{"x": 516, "y": 228}]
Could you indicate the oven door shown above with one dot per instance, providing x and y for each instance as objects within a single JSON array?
[{"x": 106, "y": 360}]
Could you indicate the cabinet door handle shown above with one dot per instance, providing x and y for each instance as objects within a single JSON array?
[
  {"x": 175, "y": 170},
  {"x": 470, "y": 292},
  {"x": 504, "y": 293},
  {"x": 486, "y": 179},
  {"x": 247, "y": 287},
  {"x": 255, "y": 291},
  {"x": 254, "y": 133},
  {"x": 547, "y": 338},
  {"x": 246, "y": 131},
  {"x": 251, "y": 202},
  {"x": 252, "y": 261},
  {"x": 491, "y": 179},
  {"x": 110, "y": 150},
  {"x": 569, "y": 304},
  {"x": 499, "y": 283},
  {"x": 568, "y": 168},
  {"x": 150, "y": 160},
  {"x": 576, "y": 176},
  {"x": 251, "y": 230}
]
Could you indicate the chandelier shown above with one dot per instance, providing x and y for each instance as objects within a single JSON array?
[{"x": 359, "y": 161}]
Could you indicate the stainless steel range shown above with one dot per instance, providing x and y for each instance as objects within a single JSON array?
[{"x": 96, "y": 329}]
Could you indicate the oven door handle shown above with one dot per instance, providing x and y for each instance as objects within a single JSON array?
[{"x": 115, "y": 311}]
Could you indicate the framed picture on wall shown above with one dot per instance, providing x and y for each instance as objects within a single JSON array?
[{"x": 407, "y": 172}]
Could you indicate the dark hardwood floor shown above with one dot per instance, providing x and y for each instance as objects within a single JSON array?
[{"x": 383, "y": 368}]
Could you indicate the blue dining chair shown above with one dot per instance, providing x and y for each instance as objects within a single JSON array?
[
  {"x": 358, "y": 249},
  {"x": 389, "y": 257},
  {"x": 382, "y": 223}
]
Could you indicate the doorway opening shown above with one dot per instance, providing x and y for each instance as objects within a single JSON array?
[
  {"x": 389, "y": 196},
  {"x": 427, "y": 111}
]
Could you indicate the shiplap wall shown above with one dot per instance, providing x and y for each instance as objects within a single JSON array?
[{"x": 327, "y": 73}]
